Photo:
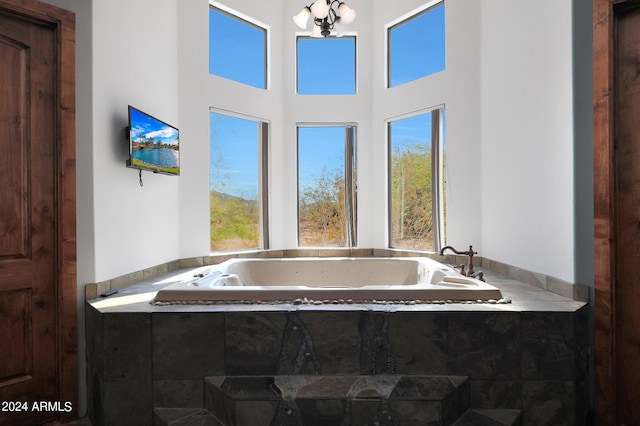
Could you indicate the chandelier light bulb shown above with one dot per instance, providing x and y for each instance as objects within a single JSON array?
[
  {"x": 347, "y": 15},
  {"x": 316, "y": 32},
  {"x": 302, "y": 18},
  {"x": 320, "y": 9}
]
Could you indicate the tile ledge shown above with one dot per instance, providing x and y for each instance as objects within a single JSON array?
[{"x": 577, "y": 292}]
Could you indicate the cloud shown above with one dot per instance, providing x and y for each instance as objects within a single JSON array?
[
  {"x": 137, "y": 130},
  {"x": 164, "y": 133}
]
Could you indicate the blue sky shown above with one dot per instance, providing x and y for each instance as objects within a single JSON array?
[
  {"x": 319, "y": 148},
  {"x": 417, "y": 48},
  {"x": 230, "y": 38},
  {"x": 412, "y": 131},
  {"x": 327, "y": 67},
  {"x": 319, "y": 75},
  {"x": 233, "y": 157},
  {"x": 145, "y": 126}
]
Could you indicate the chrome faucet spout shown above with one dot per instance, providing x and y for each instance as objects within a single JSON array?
[{"x": 469, "y": 253}]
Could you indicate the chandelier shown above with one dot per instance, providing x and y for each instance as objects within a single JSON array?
[{"x": 326, "y": 13}]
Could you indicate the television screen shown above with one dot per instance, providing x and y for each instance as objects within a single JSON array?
[{"x": 153, "y": 144}]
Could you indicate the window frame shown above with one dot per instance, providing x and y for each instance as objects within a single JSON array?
[
  {"x": 438, "y": 177},
  {"x": 264, "y": 137},
  {"x": 350, "y": 166},
  {"x": 254, "y": 23},
  {"x": 414, "y": 14}
]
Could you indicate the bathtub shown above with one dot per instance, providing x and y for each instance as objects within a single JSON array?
[{"x": 335, "y": 280}]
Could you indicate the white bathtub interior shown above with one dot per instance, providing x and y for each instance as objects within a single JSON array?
[{"x": 362, "y": 279}]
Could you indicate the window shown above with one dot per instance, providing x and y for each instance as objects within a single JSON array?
[
  {"x": 416, "y": 46},
  {"x": 237, "y": 48},
  {"x": 237, "y": 182},
  {"x": 416, "y": 181},
  {"x": 326, "y": 186},
  {"x": 326, "y": 66}
]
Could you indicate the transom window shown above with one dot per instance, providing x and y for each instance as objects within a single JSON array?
[
  {"x": 417, "y": 181},
  {"x": 326, "y": 66},
  {"x": 237, "y": 182},
  {"x": 237, "y": 47},
  {"x": 326, "y": 186},
  {"x": 416, "y": 45}
]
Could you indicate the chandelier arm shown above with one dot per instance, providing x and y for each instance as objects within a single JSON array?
[
  {"x": 327, "y": 24},
  {"x": 332, "y": 17}
]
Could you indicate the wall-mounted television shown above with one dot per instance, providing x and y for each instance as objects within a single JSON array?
[{"x": 153, "y": 144}]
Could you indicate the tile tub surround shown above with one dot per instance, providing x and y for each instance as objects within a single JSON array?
[
  {"x": 554, "y": 285},
  {"x": 530, "y": 355}
]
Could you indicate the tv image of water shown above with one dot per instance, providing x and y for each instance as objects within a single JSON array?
[{"x": 163, "y": 157}]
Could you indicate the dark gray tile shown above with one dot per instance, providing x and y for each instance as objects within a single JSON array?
[
  {"x": 184, "y": 417},
  {"x": 322, "y": 411},
  {"x": 188, "y": 345},
  {"x": 548, "y": 403},
  {"x": 251, "y": 413},
  {"x": 94, "y": 335},
  {"x": 450, "y": 396},
  {"x": 417, "y": 413},
  {"x": 253, "y": 342},
  {"x": 419, "y": 342},
  {"x": 582, "y": 335},
  {"x": 496, "y": 394},
  {"x": 218, "y": 402},
  {"x": 331, "y": 387},
  {"x": 377, "y": 356},
  {"x": 250, "y": 388},
  {"x": 458, "y": 401},
  {"x": 548, "y": 346},
  {"x": 372, "y": 412},
  {"x": 242, "y": 400},
  {"x": 126, "y": 346},
  {"x": 178, "y": 393},
  {"x": 433, "y": 388},
  {"x": 490, "y": 418},
  {"x": 335, "y": 340},
  {"x": 484, "y": 345},
  {"x": 126, "y": 402},
  {"x": 373, "y": 386}
]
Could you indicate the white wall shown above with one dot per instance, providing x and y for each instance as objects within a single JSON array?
[
  {"x": 135, "y": 59},
  {"x": 527, "y": 135}
]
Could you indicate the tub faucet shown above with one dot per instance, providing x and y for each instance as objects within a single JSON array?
[{"x": 469, "y": 253}]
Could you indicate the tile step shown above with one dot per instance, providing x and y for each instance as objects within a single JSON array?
[
  {"x": 202, "y": 417},
  {"x": 184, "y": 417},
  {"x": 336, "y": 400},
  {"x": 495, "y": 417}
]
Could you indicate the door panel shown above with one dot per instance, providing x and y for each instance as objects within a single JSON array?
[
  {"x": 14, "y": 227},
  {"x": 16, "y": 308},
  {"x": 28, "y": 250}
]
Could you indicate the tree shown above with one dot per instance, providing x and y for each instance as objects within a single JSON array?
[
  {"x": 411, "y": 195},
  {"x": 322, "y": 211}
]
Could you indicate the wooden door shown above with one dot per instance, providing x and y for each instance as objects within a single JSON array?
[
  {"x": 627, "y": 212},
  {"x": 617, "y": 210},
  {"x": 36, "y": 331}
]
